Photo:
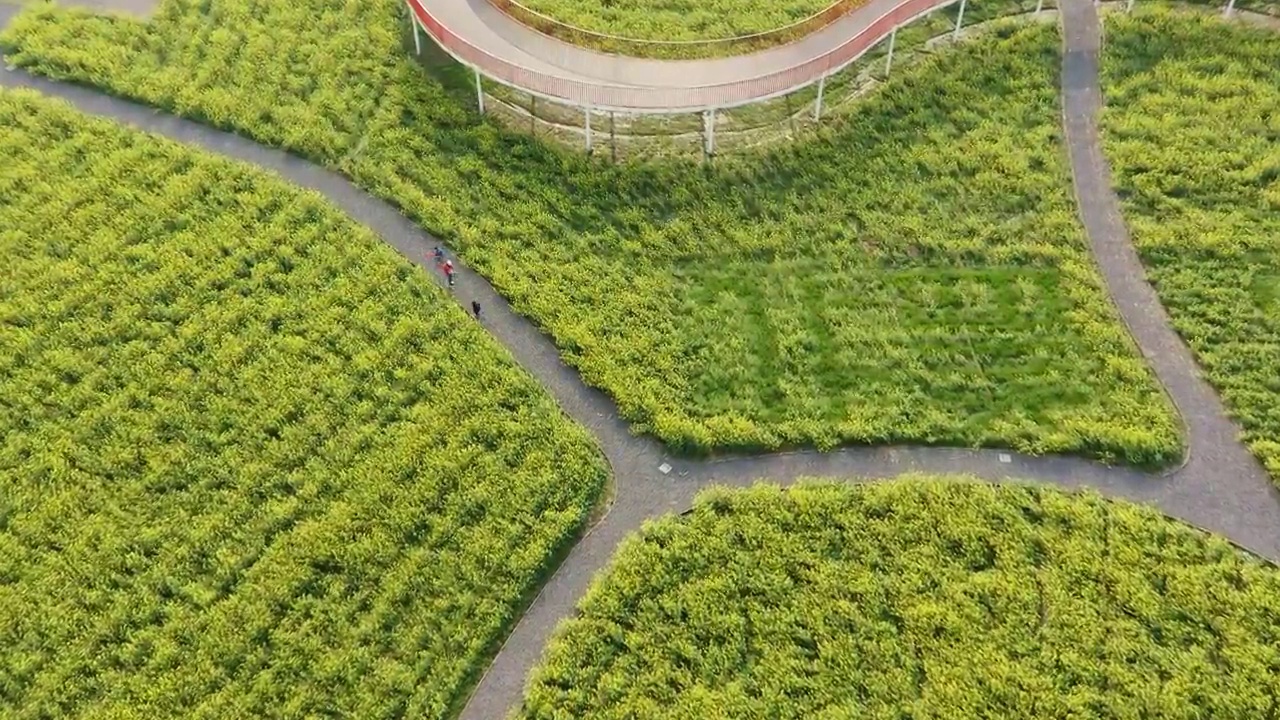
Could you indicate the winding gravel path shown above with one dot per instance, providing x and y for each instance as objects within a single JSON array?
[{"x": 1221, "y": 488}]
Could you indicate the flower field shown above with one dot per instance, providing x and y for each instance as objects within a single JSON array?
[
  {"x": 252, "y": 464},
  {"x": 921, "y": 598},
  {"x": 1193, "y": 136},
  {"x": 675, "y": 20},
  {"x": 915, "y": 274}
]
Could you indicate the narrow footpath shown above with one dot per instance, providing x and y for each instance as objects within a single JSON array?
[{"x": 1221, "y": 488}]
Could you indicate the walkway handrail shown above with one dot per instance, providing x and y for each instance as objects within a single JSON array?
[
  {"x": 675, "y": 49},
  {"x": 608, "y": 96}
]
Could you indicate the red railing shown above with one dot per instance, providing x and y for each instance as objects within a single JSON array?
[{"x": 605, "y": 95}]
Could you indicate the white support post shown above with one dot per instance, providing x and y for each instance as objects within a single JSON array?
[
  {"x": 817, "y": 107},
  {"x": 893, "y": 39},
  {"x": 709, "y": 130},
  {"x": 959, "y": 21},
  {"x": 588, "y": 128},
  {"x": 479, "y": 93},
  {"x": 1231, "y": 7},
  {"x": 1128, "y": 7},
  {"x": 417, "y": 40},
  {"x": 1039, "y": 7}
]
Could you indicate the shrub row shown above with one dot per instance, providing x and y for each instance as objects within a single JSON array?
[{"x": 252, "y": 464}]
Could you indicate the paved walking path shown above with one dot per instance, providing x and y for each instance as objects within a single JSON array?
[{"x": 1221, "y": 488}]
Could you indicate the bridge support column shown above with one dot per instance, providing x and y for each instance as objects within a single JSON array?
[
  {"x": 709, "y": 131},
  {"x": 959, "y": 21},
  {"x": 1231, "y": 7},
  {"x": 1039, "y": 7},
  {"x": 588, "y": 128},
  {"x": 817, "y": 107},
  {"x": 479, "y": 93},
  {"x": 417, "y": 40},
  {"x": 893, "y": 39},
  {"x": 1128, "y": 7}
]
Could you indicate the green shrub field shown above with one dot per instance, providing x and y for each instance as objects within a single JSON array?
[
  {"x": 252, "y": 464},
  {"x": 677, "y": 20},
  {"x": 923, "y": 598},
  {"x": 916, "y": 274},
  {"x": 1193, "y": 136}
]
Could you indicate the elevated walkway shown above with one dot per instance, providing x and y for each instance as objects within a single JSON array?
[{"x": 498, "y": 47}]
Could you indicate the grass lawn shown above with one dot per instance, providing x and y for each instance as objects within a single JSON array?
[
  {"x": 677, "y": 20},
  {"x": 915, "y": 274},
  {"x": 1193, "y": 136},
  {"x": 252, "y": 463},
  {"x": 923, "y": 598}
]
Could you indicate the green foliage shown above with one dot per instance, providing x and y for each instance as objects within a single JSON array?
[
  {"x": 923, "y": 598},
  {"x": 307, "y": 77},
  {"x": 253, "y": 464},
  {"x": 675, "y": 29},
  {"x": 678, "y": 20},
  {"x": 916, "y": 275},
  {"x": 1193, "y": 135}
]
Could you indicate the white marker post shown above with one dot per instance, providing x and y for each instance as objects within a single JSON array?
[
  {"x": 888, "y": 63},
  {"x": 709, "y": 130},
  {"x": 1128, "y": 7},
  {"x": 817, "y": 107},
  {"x": 417, "y": 41},
  {"x": 1039, "y": 7},
  {"x": 479, "y": 93},
  {"x": 959, "y": 21},
  {"x": 1231, "y": 7}
]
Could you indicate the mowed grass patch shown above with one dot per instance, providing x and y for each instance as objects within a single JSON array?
[
  {"x": 1193, "y": 135},
  {"x": 923, "y": 597},
  {"x": 954, "y": 166},
  {"x": 252, "y": 464},
  {"x": 981, "y": 337}
]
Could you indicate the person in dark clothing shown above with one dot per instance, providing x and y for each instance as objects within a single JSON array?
[{"x": 475, "y": 308}]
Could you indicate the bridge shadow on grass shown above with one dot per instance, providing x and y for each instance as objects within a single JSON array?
[{"x": 457, "y": 80}]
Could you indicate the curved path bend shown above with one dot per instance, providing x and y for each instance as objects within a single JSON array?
[
  {"x": 1221, "y": 488},
  {"x": 489, "y": 41}
]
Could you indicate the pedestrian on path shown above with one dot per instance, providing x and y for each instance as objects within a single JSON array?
[
  {"x": 448, "y": 271},
  {"x": 438, "y": 254},
  {"x": 475, "y": 308}
]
